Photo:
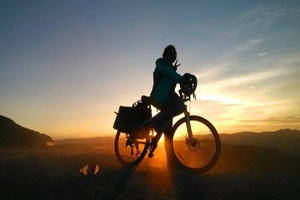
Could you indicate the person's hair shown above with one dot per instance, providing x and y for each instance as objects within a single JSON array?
[{"x": 168, "y": 48}]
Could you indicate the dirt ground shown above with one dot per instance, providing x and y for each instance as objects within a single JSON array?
[{"x": 53, "y": 173}]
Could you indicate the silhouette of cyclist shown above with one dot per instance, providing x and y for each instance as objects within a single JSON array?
[{"x": 163, "y": 95}]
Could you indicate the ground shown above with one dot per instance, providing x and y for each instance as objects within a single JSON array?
[{"x": 54, "y": 173}]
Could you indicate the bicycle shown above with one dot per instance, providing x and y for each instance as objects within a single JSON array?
[{"x": 194, "y": 143}]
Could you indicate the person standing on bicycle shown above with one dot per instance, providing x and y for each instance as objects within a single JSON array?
[{"x": 163, "y": 95}]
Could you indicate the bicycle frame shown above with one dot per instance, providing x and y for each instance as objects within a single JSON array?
[{"x": 187, "y": 120}]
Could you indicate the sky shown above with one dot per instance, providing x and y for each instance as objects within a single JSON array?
[{"x": 67, "y": 66}]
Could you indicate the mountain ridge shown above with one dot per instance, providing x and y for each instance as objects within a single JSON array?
[
  {"x": 287, "y": 140},
  {"x": 13, "y": 134}
]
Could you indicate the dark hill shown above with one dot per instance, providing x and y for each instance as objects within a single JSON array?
[
  {"x": 12, "y": 134},
  {"x": 287, "y": 140}
]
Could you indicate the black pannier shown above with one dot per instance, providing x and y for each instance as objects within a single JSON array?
[{"x": 130, "y": 118}]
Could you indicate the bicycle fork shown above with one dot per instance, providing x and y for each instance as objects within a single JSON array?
[{"x": 188, "y": 123}]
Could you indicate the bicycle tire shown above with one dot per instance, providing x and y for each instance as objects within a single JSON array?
[
  {"x": 216, "y": 138},
  {"x": 121, "y": 158}
]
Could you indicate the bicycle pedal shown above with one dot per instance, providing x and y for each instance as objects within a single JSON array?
[
  {"x": 129, "y": 141},
  {"x": 152, "y": 149},
  {"x": 150, "y": 155}
]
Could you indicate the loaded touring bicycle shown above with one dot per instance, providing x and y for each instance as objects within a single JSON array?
[{"x": 193, "y": 144}]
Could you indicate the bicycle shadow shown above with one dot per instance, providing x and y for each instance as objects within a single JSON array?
[
  {"x": 116, "y": 181},
  {"x": 186, "y": 185}
]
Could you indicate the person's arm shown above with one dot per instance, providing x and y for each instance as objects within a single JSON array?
[{"x": 166, "y": 70}]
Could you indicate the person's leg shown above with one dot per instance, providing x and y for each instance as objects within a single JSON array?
[
  {"x": 168, "y": 146},
  {"x": 160, "y": 123},
  {"x": 172, "y": 107},
  {"x": 163, "y": 121},
  {"x": 169, "y": 128}
]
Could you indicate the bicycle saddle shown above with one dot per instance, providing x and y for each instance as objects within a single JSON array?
[{"x": 149, "y": 101}]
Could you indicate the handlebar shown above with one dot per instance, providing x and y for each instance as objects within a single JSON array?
[{"x": 185, "y": 97}]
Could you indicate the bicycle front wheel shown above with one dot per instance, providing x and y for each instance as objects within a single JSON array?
[
  {"x": 199, "y": 154},
  {"x": 130, "y": 155}
]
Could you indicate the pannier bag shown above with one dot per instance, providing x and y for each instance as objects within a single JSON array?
[{"x": 130, "y": 118}]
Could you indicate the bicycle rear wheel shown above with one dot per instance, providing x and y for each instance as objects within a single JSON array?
[
  {"x": 202, "y": 152},
  {"x": 130, "y": 155}
]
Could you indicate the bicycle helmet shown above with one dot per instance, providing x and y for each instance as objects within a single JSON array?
[{"x": 188, "y": 84}]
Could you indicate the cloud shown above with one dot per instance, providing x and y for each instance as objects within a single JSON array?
[
  {"x": 217, "y": 90},
  {"x": 251, "y": 78},
  {"x": 229, "y": 61},
  {"x": 256, "y": 81},
  {"x": 275, "y": 119},
  {"x": 237, "y": 50},
  {"x": 268, "y": 14},
  {"x": 234, "y": 99},
  {"x": 215, "y": 98},
  {"x": 262, "y": 54},
  {"x": 242, "y": 60}
]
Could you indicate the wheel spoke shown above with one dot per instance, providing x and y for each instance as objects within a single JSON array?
[
  {"x": 200, "y": 152},
  {"x": 129, "y": 154}
]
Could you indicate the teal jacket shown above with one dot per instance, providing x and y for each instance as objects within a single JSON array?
[{"x": 165, "y": 79}]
